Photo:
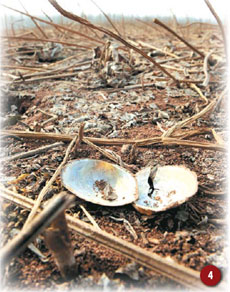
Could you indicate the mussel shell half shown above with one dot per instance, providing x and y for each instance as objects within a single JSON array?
[
  {"x": 173, "y": 185},
  {"x": 100, "y": 182}
]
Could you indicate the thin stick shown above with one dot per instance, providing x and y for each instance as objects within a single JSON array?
[
  {"x": 158, "y": 264},
  {"x": 51, "y": 20},
  {"x": 34, "y": 21},
  {"x": 53, "y": 117},
  {"x": 107, "y": 17},
  {"x": 94, "y": 223},
  {"x": 51, "y": 71},
  {"x": 197, "y": 89},
  {"x": 20, "y": 241},
  {"x": 56, "y": 76},
  {"x": 217, "y": 137},
  {"x": 220, "y": 25},
  {"x": 157, "y": 21},
  {"x": 119, "y": 142},
  {"x": 205, "y": 68},
  {"x": 31, "y": 152},
  {"x": 110, "y": 33},
  {"x": 56, "y": 25},
  {"x": 49, "y": 184},
  {"x": 180, "y": 124}
]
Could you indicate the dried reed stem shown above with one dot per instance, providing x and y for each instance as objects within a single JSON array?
[
  {"x": 220, "y": 25},
  {"x": 157, "y": 21},
  {"x": 31, "y": 152},
  {"x": 119, "y": 142},
  {"x": 56, "y": 25}
]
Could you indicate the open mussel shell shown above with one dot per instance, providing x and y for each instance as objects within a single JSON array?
[
  {"x": 173, "y": 185},
  {"x": 100, "y": 182}
]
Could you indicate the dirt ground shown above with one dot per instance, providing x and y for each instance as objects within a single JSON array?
[{"x": 194, "y": 233}]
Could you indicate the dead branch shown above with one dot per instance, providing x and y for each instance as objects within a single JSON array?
[
  {"x": 157, "y": 21},
  {"x": 107, "y": 17},
  {"x": 56, "y": 25},
  {"x": 220, "y": 25},
  {"x": 31, "y": 152},
  {"x": 20, "y": 241},
  {"x": 35, "y": 22},
  {"x": 207, "y": 109},
  {"x": 160, "y": 141},
  {"x": 197, "y": 89}
]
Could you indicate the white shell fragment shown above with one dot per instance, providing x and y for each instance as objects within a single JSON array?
[
  {"x": 100, "y": 182},
  {"x": 173, "y": 185}
]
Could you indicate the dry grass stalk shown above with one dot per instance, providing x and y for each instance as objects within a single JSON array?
[
  {"x": 31, "y": 152},
  {"x": 209, "y": 191},
  {"x": 154, "y": 48},
  {"x": 205, "y": 68},
  {"x": 220, "y": 25},
  {"x": 107, "y": 17},
  {"x": 157, "y": 21},
  {"x": 115, "y": 142},
  {"x": 22, "y": 68},
  {"x": 56, "y": 76},
  {"x": 47, "y": 72},
  {"x": 56, "y": 25},
  {"x": 35, "y": 22},
  {"x": 93, "y": 222},
  {"x": 180, "y": 124},
  {"x": 51, "y": 20},
  {"x": 44, "y": 218},
  {"x": 218, "y": 138},
  {"x": 158, "y": 264},
  {"x": 197, "y": 89},
  {"x": 189, "y": 143}
]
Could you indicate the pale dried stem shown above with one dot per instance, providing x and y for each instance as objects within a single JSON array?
[
  {"x": 35, "y": 22},
  {"x": 181, "y": 124},
  {"x": 31, "y": 152},
  {"x": 220, "y": 25},
  {"x": 197, "y": 89},
  {"x": 117, "y": 142},
  {"x": 56, "y": 25},
  {"x": 87, "y": 214},
  {"x": 205, "y": 69},
  {"x": 107, "y": 17},
  {"x": 157, "y": 21}
]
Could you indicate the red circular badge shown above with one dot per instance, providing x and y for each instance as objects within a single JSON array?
[{"x": 210, "y": 275}]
